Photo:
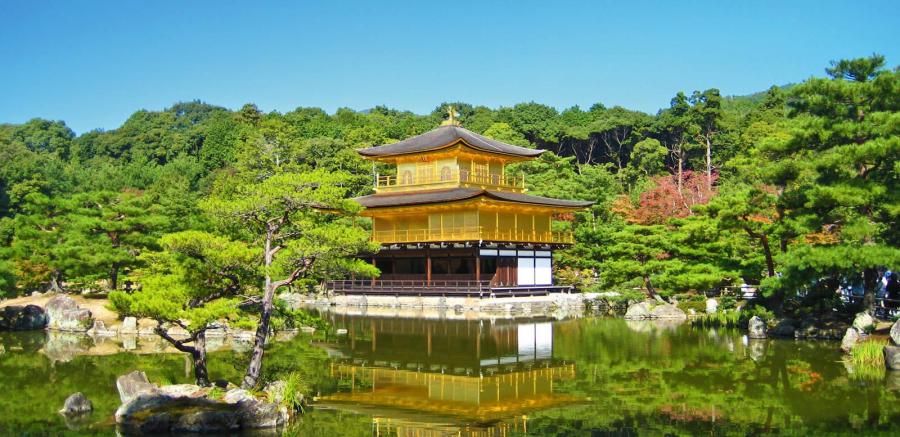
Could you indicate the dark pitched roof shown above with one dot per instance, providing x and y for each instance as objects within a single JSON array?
[
  {"x": 455, "y": 194},
  {"x": 445, "y": 136},
  {"x": 537, "y": 200}
]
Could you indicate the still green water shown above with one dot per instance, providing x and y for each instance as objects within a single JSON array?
[{"x": 416, "y": 377}]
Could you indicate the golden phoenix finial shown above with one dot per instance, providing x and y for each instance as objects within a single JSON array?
[{"x": 451, "y": 121}]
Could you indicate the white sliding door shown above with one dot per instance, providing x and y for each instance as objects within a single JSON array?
[
  {"x": 526, "y": 271},
  {"x": 542, "y": 274}
]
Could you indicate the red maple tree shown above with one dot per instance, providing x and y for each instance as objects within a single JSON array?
[{"x": 663, "y": 201}]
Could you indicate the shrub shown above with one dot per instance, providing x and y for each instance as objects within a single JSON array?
[
  {"x": 727, "y": 302},
  {"x": 687, "y": 305}
]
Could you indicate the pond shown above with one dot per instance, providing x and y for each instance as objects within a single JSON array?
[{"x": 524, "y": 376}]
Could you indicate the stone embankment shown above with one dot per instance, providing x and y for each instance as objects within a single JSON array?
[{"x": 555, "y": 305}]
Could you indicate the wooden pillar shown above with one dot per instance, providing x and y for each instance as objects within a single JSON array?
[
  {"x": 477, "y": 264},
  {"x": 373, "y": 265},
  {"x": 427, "y": 266}
]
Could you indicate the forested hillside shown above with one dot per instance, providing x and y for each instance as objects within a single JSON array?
[{"x": 794, "y": 189}]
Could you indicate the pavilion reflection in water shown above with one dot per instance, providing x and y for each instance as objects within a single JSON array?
[{"x": 447, "y": 377}]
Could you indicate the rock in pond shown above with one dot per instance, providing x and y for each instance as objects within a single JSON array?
[
  {"x": 129, "y": 326},
  {"x": 64, "y": 315},
  {"x": 130, "y": 384},
  {"x": 99, "y": 329},
  {"x": 756, "y": 328},
  {"x": 190, "y": 408},
  {"x": 850, "y": 339},
  {"x": 76, "y": 404},
  {"x": 863, "y": 322},
  {"x": 255, "y": 413},
  {"x": 19, "y": 318},
  {"x": 895, "y": 333},
  {"x": 668, "y": 312},
  {"x": 638, "y": 311},
  {"x": 892, "y": 357}
]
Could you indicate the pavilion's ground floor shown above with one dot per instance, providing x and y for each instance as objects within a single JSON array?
[{"x": 475, "y": 269}]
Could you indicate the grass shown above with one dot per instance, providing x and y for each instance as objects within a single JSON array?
[
  {"x": 869, "y": 353},
  {"x": 730, "y": 319},
  {"x": 294, "y": 388},
  {"x": 866, "y": 360}
]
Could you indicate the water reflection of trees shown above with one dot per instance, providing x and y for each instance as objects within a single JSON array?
[{"x": 700, "y": 380}]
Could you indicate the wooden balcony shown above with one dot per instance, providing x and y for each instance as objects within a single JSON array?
[
  {"x": 439, "y": 288},
  {"x": 471, "y": 233},
  {"x": 462, "y": 178}
]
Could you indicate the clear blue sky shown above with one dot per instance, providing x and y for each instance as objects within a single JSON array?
[{"x": 93, "y": 63}]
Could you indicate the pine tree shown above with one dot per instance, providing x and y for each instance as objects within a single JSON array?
[
  {"x": 194, "y": 283},
  {"x": 839, "y": 174}
]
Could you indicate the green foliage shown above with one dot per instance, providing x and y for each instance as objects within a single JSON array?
[
  {"x": 699, "y": 307},
  {"x": 196, "y": 280}
]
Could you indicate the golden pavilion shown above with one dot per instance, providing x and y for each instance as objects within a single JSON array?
[{"x": 452, "y": 220}]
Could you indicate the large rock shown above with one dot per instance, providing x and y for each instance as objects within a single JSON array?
[
  {"x": 131, "y": 384},
  {"x": 206, "y": 422},
  {"x": 895, "y": 333},
  {"x": 129, "y": 326},
  {"x": 275, "y": 391},
  {"x": 712, "y": 306},
  {"x": 76, "y": 404},
  {"x": 65, "y": 315},
  {"x": 638, "y": 311},
  {"x": 892, "y": 357},
  {"x": 668, "y": 312},
  {"x": 19, "y": 318},
  {"x": 188, "y": 408},
  {"x": 863, "y": 322},
  {"x": 254, "y": 413},
  {"x": 850, "y": 339},
  {"x": 756, "y": 328}
]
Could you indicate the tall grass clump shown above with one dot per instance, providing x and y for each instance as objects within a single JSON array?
[
  {"x": 866, "y": 360},
  {"x": 869, "y": 353},
  {"x": 292, "y": 396},
  {"x": 721, "y": 319},
  {"x": 732, "y": 318}
]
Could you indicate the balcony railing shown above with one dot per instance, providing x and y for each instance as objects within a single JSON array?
[
  {"x": 453, "y": 178},
  {"x": 438, "y": 287},
  {"x": 471, "y": 233}
]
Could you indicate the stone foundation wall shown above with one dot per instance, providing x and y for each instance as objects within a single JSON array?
[{"x": 554, "y": 305}]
